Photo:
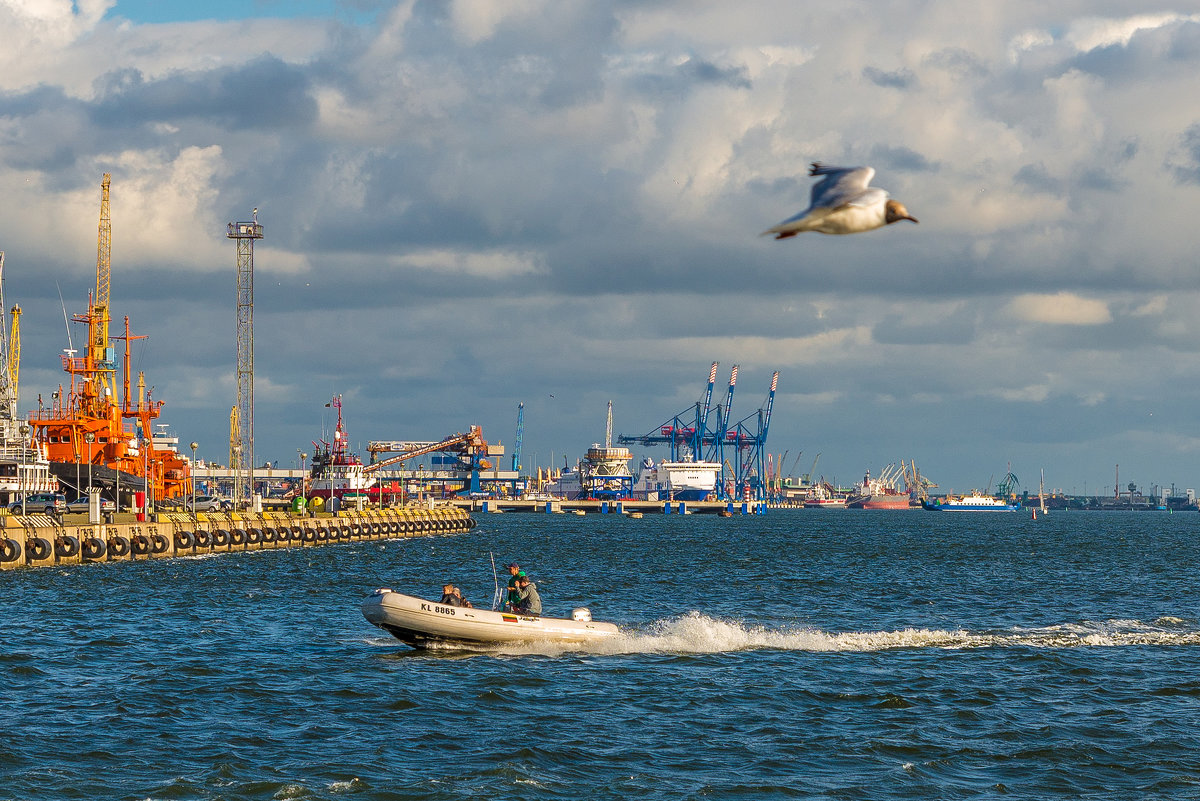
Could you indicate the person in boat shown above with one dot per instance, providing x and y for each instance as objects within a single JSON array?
[
  {"x": 451, "y": 596},
  {"x": 528, "y": 601},
  {"x": 515, "y": 572}
]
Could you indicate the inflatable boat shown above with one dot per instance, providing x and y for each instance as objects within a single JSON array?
[{"x": 423, "y": 624}]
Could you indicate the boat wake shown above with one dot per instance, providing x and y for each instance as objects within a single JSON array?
[{"x": 695, "y": 633}]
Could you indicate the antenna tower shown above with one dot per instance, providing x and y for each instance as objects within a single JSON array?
[{"x": 245, "y": 233}]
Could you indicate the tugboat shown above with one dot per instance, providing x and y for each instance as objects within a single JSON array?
[{"x": 336, "y": 472}]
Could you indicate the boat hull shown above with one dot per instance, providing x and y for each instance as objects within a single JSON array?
[
  {"x": 825, "y": 503},
  {"x": 880, "y": 501},
  {"x": 970, "y": 507},
  {"x": 426, "y": 624}
]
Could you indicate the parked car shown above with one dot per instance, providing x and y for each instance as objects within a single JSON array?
[
  {"x": 48, "y": 502},
  {"x": 208, "y": 503},
  {"x": 80, "y": 504}
]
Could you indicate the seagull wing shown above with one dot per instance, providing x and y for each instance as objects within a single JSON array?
[{"x": 842, "y": 185}]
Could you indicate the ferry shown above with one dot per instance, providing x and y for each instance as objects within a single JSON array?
[
  {"x": 970, "y": 503},
  {"x": 685, "y": 480}
]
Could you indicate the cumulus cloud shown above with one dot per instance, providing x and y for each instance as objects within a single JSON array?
[{"x": 1061, "y": 308}]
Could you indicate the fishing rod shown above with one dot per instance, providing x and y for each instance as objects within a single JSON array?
[{"x": 496, "y": 579}]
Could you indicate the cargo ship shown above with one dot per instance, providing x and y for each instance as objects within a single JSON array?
[
  {"x": 877, "y": 493},
  {"x": 85, "y": 429}
]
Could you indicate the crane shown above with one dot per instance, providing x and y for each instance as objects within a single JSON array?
[
  {"x": 812, "y": 471},
  {"x": 471, "y": 442},
  {"x": 10, "y": 358},
  {"x": 235, "y": 448},
  {"x": 101, "y": 354},
  {"x": 516, "y": 454},
  {"x": 12, "y": 366}
]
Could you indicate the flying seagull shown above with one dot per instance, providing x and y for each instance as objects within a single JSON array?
[{"x": 843, "y": 203}]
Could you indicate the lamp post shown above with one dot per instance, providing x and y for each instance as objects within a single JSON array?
[
  {"x": 21, "y": 472},
  {"x": 303, "y": 476},
  {"x": 194, "y": 446},
  {"x": 89, "y": 438}
]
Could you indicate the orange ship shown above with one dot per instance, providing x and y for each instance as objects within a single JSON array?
[{"x": 85, "y": 426}]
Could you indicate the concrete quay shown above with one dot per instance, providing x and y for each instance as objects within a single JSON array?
[
  {"x": 43, "y": 541},
  {"x": 619, "y": 507}
]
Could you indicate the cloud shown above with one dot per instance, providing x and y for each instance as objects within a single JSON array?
[{"x": 1062, "y": 308}]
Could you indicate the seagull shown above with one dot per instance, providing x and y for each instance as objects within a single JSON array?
[{"x": 843, "y": 203}]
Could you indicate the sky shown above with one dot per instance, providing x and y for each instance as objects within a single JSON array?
[{"x": 469, "y": 205}]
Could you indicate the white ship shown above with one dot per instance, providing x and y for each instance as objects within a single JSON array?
[
  {"x": 567, "y": 486},
  {"x": 679, "y": 481}
]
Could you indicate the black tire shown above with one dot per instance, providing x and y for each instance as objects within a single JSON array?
[
  {"x": 159, "y": 543},
  {"x": 308, "y": 535},
  {"x": 237, "y": 536},
  {"x": 38, "y": 548},
  {"x": 220, "y": 537},
  {"x": 10, "y": 550},
  {"x": 203, "y": 538},
  {"x": 66, "y": 545},
  {"x": 118, "y": 546},
  {"x": 94, "y": 548},
  {"x": 139, "y": 544},
  {"x": 184, "y": 539},
  {"x": 268, "y": 535}
]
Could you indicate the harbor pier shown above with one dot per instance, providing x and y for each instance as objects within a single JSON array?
[
  {"x": 44, "y": 541},
  {"x": 626, "y": 507}
]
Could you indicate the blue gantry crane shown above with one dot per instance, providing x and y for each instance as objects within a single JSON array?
[
  {"x": 740, "y": 449},
  {"x": 516, "y": 454},
  {"x": 749, "y": 439}
]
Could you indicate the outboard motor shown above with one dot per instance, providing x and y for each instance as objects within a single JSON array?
[{"x": 582, "y": 614}]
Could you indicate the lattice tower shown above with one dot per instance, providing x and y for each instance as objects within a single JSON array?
[{"x": 245, "y": 233}]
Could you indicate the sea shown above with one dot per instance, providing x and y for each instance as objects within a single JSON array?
[{"x": 799, "y": 654}]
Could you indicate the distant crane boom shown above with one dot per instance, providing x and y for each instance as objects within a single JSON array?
[{"x": 516, "y": 454}]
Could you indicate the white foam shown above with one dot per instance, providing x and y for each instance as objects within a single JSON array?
[{"x": 695, "y": 633}]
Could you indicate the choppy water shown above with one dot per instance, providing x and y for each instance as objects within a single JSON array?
[{"x": 804, "y": 654}]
